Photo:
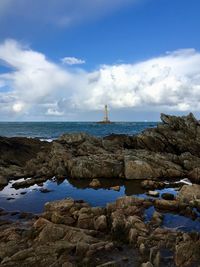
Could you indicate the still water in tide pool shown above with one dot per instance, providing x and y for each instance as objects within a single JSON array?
[{"x": 32, "y": 199}]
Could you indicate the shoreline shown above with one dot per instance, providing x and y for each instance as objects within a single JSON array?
[{"x": 72, "y": 233}]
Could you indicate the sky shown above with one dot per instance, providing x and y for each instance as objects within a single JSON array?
[{"x": 63, "y": 60}]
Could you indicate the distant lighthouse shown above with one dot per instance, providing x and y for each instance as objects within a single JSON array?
[{"x": 106, "y": 118}]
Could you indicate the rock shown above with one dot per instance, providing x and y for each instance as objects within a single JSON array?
[
  {"x": 142, "y": 249},
  {"x": 194, "y": 175},
  {"x": 58, "y": 218},
  {"x": 153, "y": 193},
  {"x": 3, "y": 181},
  {"x": 86, "y": 221},
  {"x": 45, "y": 190},
  {"x": 168, "y": 196},
  {"x": 101, "y": 223},
  {"x": 170, "y": 205},
  {"x": 137, "y": 169},
  {"x": 95, "y": 167},
  {"x": 109, "y": 264},
  {"x": 51, "y": 233},
  {"x": 65, "y": 204},
  {"x": 147, "y": 264},
  {"x": 95, "y": 183},
  {"x": 132, "y": 236},
  {"x": 81, "y": 249},
  {"x": 115, "y": 188},
  {"x": 187, "y": 253},
  {"x": 150, "y": 184},
  {"x": 157, "y": 259},
  {"x": 157, "y": 218},
  {"x": 189, "y": 193}
]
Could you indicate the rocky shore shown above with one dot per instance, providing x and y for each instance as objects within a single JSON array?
[
  {"x": 72, "y": 233},
  {"x": 171, "y": 150}
]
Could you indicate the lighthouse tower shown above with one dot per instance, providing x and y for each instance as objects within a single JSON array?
[{"x": 106, "y": 118}]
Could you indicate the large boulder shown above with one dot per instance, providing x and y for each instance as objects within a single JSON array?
[
  {"x": 142, "y": 164},
  {"x": 102, "y": 166},
  {"x": 189, "y": 193}
]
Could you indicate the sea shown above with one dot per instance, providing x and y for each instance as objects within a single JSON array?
[
  {"x": 52, "y": 130},
  {"x": 32, "y": 199}
]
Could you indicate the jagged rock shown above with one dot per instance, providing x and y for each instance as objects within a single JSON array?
[
  {"x": 150, "y": 184},
  {"x": 187, "y": 253},
  {"x": 95, "y": 183},
  {"x": 3, "y": 181},
  {"x": 147, "y": 264},
  {"x": 189, "y": 193},
  {"x": 171, "y": 150},
  {"x": 101, "y": 223},
  {"x": 101, "y": 166}
]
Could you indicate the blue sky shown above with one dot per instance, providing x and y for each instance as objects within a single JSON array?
[{"x": 64, "y": 59}]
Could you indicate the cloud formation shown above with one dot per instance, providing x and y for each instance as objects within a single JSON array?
[
  {"x": 36, "y": 86},
  {"x": 72, "y": 61}
]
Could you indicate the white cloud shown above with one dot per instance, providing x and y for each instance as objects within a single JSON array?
[
  {"x": 72, "y": 61},
  {"x": 38, "y": 87}
]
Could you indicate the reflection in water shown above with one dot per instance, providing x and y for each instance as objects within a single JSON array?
[
  {"x": 175, "y": 221},
  {"x": 130, "y": 187},
  {"x": 32, "y": 199}
]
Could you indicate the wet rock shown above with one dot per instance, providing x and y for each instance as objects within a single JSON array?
[
  {"x": 194, "y": 175},
  {"x": 81, "y": 249},
  {"x": 187, "y": 253},
  {"x": 115, "y": 188},
  {"x": 170, "y": 205},
  {"x": 109, "y": 264},
  {"x": 3, "y": 181},
  {"x": 58, "y": 218},
  {"x": 147, "y": 264},
  {"x": 168, "y": 196},
  {"x": 150, "y": 184},
  {"x": 86, "y": 221},
  {"x": 95, "y": 167},
  {"x": 189, "y": 193},
  {"x": 26, "y": 215},
  {"x": 95, "y": 183},
  {"x": 45, "y": 190},
  {"x": 101, "y": 223},
  {"x": 157, "y": 218},
  {"x": 132, "y": 236},
  {"x": 153, "y": 193},
  {"x": 61, "y": 205}
]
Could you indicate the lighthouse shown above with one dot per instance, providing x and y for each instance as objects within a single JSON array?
[{"x": 106, "y": 118}]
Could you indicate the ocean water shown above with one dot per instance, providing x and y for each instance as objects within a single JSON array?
[{"x": 52, "y": 130}]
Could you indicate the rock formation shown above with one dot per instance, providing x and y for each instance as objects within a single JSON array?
[{"x": 170, "y": 150}]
